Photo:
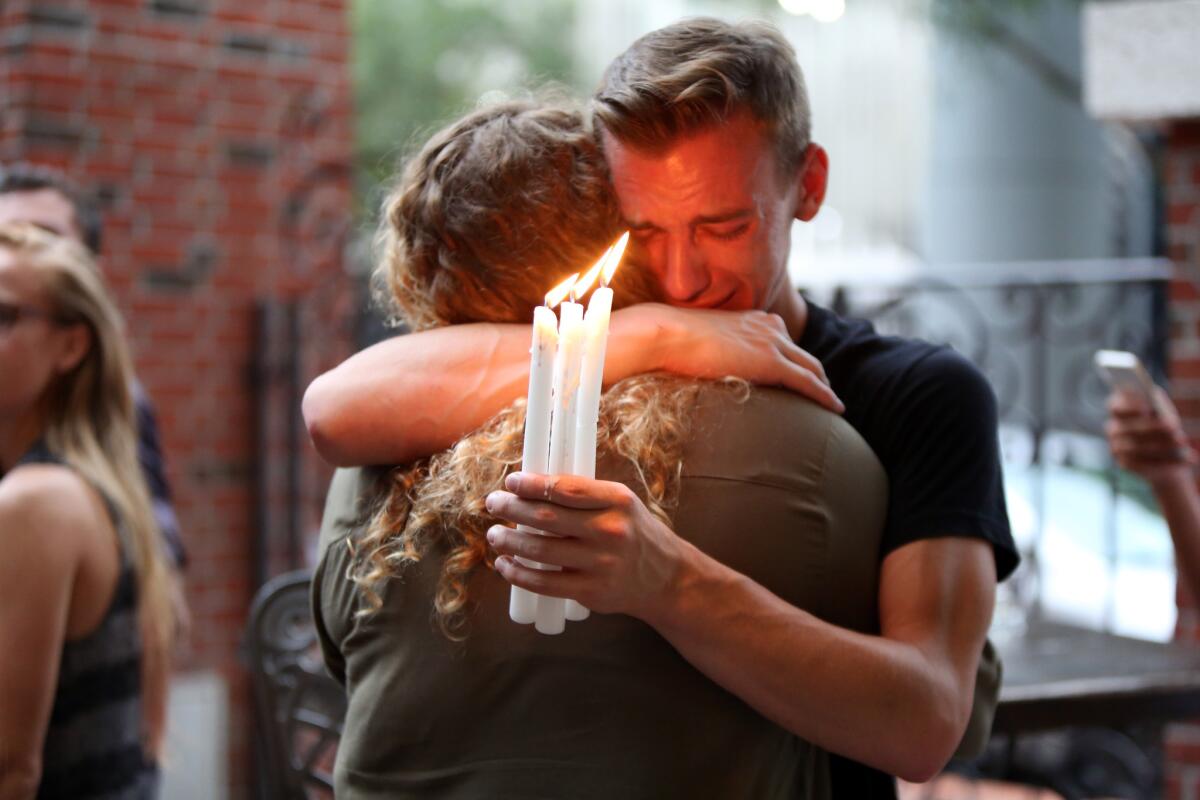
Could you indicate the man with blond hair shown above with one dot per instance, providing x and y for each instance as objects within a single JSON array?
[{"x": 705, "y": 128}]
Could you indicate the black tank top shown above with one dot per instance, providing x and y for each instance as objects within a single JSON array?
[{"x": 93, "y": 744}]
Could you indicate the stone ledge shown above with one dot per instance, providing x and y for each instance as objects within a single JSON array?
[{"x": 1141, "y": 59}]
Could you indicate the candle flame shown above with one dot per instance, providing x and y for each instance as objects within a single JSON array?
[
  {"x": 583, "y": 284},
  {"x": 560, "y": 292},
  {"x": 612, "y": 259}
]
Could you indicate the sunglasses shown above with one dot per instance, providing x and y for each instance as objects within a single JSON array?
[{"x": 12, "y": 313}]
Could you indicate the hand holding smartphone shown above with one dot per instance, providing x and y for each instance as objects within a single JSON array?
[
  {"x": 1155, "y": 448},
  {"x": 1123, "y": 371}
]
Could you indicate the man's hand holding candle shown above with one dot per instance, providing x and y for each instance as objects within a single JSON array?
[
  {"x": 562, "y": 407},
  {"x": 616, "y": 557}
]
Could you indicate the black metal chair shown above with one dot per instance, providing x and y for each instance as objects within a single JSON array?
[{"x": 298, "y": 708}]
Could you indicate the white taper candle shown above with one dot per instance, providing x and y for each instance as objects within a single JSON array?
[
  {"x": 591, "y": 381},
  {"x": 535, "y": 458},
  {"x": 551, "y": 614}
]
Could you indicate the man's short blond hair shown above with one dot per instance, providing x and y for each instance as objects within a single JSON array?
[{"x": 697, "y": 73}]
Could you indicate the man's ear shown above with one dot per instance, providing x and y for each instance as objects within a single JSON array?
[
  {"x": 813, "y": 176},
  {"x": 74, "y": 342}
]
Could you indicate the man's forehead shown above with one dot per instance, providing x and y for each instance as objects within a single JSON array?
[
  {"x": 47, "y": 208},
  {"x": 714, "y": 173}
]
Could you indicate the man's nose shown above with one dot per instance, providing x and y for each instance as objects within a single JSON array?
[{"x": 685, "y": 275}]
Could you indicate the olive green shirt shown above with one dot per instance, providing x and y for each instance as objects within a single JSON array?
[{"x": 776, "y": 488}]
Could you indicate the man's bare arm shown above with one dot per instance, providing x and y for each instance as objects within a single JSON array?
[
  {"x": 415, "y": 395},
  {"x": 899, "y": 702}
]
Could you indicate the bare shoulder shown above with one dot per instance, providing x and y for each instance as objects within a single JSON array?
[{"x": 48, "y": 508}]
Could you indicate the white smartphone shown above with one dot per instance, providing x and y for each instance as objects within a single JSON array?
[{"x": 1123, "y": 370}]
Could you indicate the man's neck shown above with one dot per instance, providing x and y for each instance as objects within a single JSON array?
[{"x": 792, "y": 307}]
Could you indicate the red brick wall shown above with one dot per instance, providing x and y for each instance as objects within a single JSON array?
[
  {"x": 218, "y": 134},
  {"x": 1182, "y": 194}
]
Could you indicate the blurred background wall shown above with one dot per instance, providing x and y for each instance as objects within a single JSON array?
[{"x": 217, "y": 134}]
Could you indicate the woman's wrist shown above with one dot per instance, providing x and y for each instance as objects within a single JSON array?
[{"x": 640, "y": 338}]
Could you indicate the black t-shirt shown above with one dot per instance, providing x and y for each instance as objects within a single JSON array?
[{"x": 930, "y": 417}]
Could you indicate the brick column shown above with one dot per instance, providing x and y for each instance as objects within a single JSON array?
[
  {"x": 1181, "y": 185},
  {"x": 217, "y": 134}
]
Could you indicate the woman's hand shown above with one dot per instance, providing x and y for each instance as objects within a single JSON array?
[
  {"x": 710, "y": 343},
  {"x": 1150, "y": 444},
  {"x": 616, "y": 557}
]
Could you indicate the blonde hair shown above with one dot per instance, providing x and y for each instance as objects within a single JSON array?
[
  {"x": 91, "y": 425},
  {"x": 486, "y": 218}
]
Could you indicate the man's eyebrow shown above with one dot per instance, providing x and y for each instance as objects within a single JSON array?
[
  {"x": 704, "y": 219},
  {"x": 724, "y": 216}
]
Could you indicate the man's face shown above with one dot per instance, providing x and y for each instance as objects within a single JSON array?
[
  {"x": 711, "y": 215},
  {"x": 46, "y": 208}
]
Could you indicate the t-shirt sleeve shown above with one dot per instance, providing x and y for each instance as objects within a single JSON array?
[
  {"x": 328, "y": 616},
  {"x": 943, "y": 459},
  {"x": 341, "y": 513},
  {"x": 335, "y": 598}
]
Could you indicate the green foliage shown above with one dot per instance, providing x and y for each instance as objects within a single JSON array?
[{"x": 419, "y": 63}]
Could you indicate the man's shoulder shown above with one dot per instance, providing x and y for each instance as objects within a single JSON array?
[
  {"x": 939, "y": 384},
  {"x": 897, "y": 368},
  {"x": 853, "y": 343},
  {"x": 944, "y": 370}
]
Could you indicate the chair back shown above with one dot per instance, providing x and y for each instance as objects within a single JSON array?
[{"x": 298, "y": 708}]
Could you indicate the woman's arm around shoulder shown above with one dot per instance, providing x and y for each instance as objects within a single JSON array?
[
  {"x": 415, "y": 395},
  {"x": 43, "y": 509}
]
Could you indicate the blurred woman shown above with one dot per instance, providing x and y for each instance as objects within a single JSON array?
[
  {"x": 447, "y": 696},
  {"x": 85, "y": 615}
]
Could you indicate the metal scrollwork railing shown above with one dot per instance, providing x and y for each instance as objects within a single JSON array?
[
  {"x": 1033, "y": 335},
  {"x": 1033, "y": 330},
  {"x": 299, "y": 707}
]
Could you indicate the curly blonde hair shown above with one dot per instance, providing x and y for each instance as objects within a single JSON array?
[
  {"x": 483, "y": 220},
  {"x": 492, "y": 212}
]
